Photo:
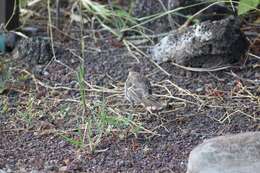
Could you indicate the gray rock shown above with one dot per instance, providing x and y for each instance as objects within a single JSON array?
[
  {"x": 2, "y": 171},
  {"x": 227, "y": 154},
  {"x": 203, "y": 45}
]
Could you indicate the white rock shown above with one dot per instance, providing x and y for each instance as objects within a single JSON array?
[{"x": 238, "y": 153}]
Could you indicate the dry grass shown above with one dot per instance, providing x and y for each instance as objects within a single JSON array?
[{"x": 84, "y": 114}]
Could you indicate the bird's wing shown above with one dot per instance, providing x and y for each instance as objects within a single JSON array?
[
  {"x": 143, "y": 86},
  {"x": 148, "y": 86},
  {"x": 132, "y": 93}
]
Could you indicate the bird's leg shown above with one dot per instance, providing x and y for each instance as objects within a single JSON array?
[
  {"x": 157, "y": 114},
  {"x": 132, "y": 104},
  {"x": 149, "y": 112}
]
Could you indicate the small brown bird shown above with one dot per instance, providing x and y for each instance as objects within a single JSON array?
[{"x": 138, "y": 90}]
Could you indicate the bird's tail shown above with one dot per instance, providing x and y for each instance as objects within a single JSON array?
[{"x": 151, "y": 103}]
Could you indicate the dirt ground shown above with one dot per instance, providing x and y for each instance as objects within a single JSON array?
[{"x": 42, "y": 112}]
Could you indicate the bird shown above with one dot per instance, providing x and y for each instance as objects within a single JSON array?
[{"x": 138, "y": 90}]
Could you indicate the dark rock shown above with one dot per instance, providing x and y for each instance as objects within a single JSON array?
[
  {"x": 7, "y": 41},
  {"x": 10, "y": 41},
  {"x": 35, "y": 50},
  {"x": 215, "y": 12},
  {"x": 144, "y": 8},
  {"x": 204, "y": 45}
]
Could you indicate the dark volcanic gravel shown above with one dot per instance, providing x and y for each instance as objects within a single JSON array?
[
  {"x": 38, "y": 145},
  {"x": 27, "y": 150}
]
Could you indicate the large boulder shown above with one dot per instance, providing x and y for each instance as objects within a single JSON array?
[
  {"x": 203, "y": 45},
  {"x": 227, "y": 154}
]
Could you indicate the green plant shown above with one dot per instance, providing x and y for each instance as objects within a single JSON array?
[
  {"x": 23, "y": 3},
  {"x": 81, "y": 81},
  {"x": 28, "y": 114},
  {"x": 76, "y": 141},
  {"x": 64, "y": 111},
  {"x": 4, "y": 105},
  {"x": 113, "y": 18},
  {"x": 101, "y": 124},
  {"x": 247, "y": 5}
]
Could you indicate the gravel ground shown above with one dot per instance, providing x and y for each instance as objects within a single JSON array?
[{"x": 40, "y": 110}]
